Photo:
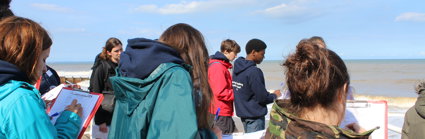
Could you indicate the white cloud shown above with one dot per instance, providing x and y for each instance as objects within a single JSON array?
[
  {"x": 190, "y": 7},
  {"x": 283, "y": 10},
  {"x": 291, "y": 12},
  {"x": 411, "y": 16},
  {"x": 51, "y": 7},
  {"x": 422, "y": 53}
]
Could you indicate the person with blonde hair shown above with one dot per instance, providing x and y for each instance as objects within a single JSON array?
[
  {"x": 24, "y": 48},
  {"x": 162, "y": 88}
]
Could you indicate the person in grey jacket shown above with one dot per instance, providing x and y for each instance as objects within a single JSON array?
[{"x": 414, "y": 120}]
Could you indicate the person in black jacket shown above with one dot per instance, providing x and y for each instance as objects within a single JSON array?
[
  {"x": 49, "y": 80},
  {"x": 251, "y": 96},
  {"x": 103, "y": 68},
  {"x": 5, "y": 9}
]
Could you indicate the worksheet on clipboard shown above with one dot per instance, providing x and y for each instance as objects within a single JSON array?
[
  {"x": 88, "y": 102},
  {"x": 369, "y": 115}
]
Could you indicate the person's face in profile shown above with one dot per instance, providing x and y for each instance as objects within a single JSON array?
[
  {"x": 259, "y": 56},
  {"x": 115, "y": 53},
  {"x": 41, "y": 67},
  {"x": 230, "y": 55}
]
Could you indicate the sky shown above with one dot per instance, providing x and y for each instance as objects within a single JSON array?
[{"x": 354, "y": 29}]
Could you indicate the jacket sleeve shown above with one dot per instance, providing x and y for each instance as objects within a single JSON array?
[
  {"x": 97, "y": 79},
  {"x": 256, "y": 83},
  {"x": 28, "y": 119},
  {"x": 67, "y": 124},
  {"x": 406, "y": 126},
  {"x": 218, "y": 83},
  {"x": 174, "y": 109}
]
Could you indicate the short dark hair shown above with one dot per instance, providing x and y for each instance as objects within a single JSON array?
[
  {"x": 4, "y": 9},
  {"x": 229, "y": 45},
  {"x": 256, "y": 45}
]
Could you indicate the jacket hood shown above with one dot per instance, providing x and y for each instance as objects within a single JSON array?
[
  {"x": 242, "y": 64},
  {"x": 420, "y": 102},
  {"x": 142, "y": 56},
  {"x": 220, "y": 56},
  {"x": 9, "y": 72}
]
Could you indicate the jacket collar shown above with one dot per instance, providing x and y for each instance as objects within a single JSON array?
[
  {"x": 298, "y": 127},
  {"x": 9, "y": 72}
]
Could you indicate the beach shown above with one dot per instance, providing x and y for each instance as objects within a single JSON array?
[{"x": 390, "y": 80}]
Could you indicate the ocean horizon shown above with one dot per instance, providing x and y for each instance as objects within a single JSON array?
[{"x": 376, "y": 77}]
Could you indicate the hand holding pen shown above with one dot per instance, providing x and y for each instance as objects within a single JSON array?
[{"x": 74, "y": 107}]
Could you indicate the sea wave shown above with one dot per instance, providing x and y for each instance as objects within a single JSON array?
[
  {"x": 84, "y": 74},
  {"x": 393, "y": 102}
]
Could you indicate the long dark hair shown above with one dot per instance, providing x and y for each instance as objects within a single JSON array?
[
  {"x": 314, "y": 76},
  {"x": 189, "y": 42},
  {"x": 109, "y": 45}
]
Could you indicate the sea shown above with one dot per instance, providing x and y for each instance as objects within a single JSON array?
[{"x": 392, "y": 80}]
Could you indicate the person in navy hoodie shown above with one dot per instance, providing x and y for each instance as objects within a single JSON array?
[
  {"x": 251, "y": 96},
  {"x": 221, "y": 85}
]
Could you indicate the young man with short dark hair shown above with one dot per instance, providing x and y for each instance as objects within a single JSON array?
[{"x": 251, "y": 96}]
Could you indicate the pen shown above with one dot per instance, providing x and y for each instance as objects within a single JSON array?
[
  {"x": 54, "y": 114},
  {"x": 216, "y": 114}
]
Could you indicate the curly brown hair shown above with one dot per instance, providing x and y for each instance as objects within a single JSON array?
[{"x": 314, "y": 76}]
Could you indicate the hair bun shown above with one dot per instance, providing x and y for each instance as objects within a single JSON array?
[{"x": 308, "y": 54}]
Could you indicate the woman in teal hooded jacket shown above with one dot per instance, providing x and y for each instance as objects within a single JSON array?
[
  {"x": 162, "y": 87},
  {"x": 24, "y": 47}
]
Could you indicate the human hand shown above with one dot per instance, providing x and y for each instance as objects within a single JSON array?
[
  {"x": 47, "y": 102},
  {"x": 355, "y": 127},
  {"x": 217, "y": 131},
  {"x": 278, "y": 93},
  {"x": 103, "y": 128},
  {"x": 74, "y": 107}
]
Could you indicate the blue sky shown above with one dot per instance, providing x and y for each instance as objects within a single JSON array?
[{"x": 355, "y": 29}]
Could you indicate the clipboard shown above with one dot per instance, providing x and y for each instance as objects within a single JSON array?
[
  {"x": 89, "y": 101},
  {"x": 370, "y": 114}
]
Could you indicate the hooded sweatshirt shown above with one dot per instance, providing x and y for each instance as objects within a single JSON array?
[
  {"x": 142, "y": 56},
  {"x": 22, "y": 111},
  {"x": 251, "y": 96},
  {"x": 153, "y": 92},
  {"x": 221, "y": 84},
  {"x": 414, "y": 119}
]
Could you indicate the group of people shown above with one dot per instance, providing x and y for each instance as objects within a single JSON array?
[
  {"x": 171, "y": 88},
  {"x": 161, "y": 85}
]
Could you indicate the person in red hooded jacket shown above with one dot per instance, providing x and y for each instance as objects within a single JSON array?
[{"x": 220, "y": 81}]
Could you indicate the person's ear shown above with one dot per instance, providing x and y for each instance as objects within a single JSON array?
[
  {"x": 109, "y": 53},
  {"x": 253, "y": 53},
  {"x": 342, "y": 94}
]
